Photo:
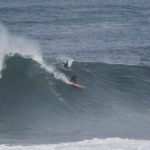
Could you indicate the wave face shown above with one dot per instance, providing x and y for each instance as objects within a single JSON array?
[{"x": 35, "y": 106}]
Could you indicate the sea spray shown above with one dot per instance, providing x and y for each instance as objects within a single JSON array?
[
  {"x": 12, "y": 44},
  {"x": 65, "y": 58},
  {"x": 57, "y": 74}
]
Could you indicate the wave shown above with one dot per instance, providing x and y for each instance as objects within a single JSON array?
[
  {"x": 11, "y": 44},
  {"x": 33, "y": 102},
  {"x": 94, "y": 144},
  {"x": 37, "y": 105}
]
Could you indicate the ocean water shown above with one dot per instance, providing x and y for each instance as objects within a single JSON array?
[{"x": 107, "y": 45}]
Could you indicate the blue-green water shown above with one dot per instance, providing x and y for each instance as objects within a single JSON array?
[{"x": 109, "y": 42}]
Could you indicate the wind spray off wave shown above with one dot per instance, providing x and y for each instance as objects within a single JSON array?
[{"x": 12, "y": 44}]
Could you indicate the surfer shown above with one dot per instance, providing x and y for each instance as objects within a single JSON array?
[
  {"x": 66, "y": 65},
  {"x": 73, "y": 79}
]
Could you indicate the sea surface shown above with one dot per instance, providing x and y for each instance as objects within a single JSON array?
[{"x": 107, "y": 44}]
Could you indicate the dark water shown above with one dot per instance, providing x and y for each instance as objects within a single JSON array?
[
  {"x": 36, "y": 107},
  {"x": 104, "y": 31},
  {"x": 109, "y": 41}
]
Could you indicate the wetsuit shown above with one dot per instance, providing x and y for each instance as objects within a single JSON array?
[{"x": 73, "y": 79}]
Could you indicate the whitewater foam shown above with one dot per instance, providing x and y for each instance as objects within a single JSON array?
[
  {"x": 94, "y": 144},
  {"x": 57, "y": 74},
  {"x": 12, "y": 44},
  {"x": 65, "y": 58}
]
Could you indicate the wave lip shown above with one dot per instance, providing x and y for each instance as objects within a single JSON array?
[{"x": 93, "y": 144}]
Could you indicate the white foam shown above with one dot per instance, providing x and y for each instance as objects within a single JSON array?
[
  {"x": 94, "y": 144},
  {"x": 65, "y": 58},
  {"x": 57, "y": 74},
  {"x": 12, "y": 44}
]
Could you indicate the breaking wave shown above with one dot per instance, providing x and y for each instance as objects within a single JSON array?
[
  {"x": 33, "y": 102},
  {"x": 94, "y": 144},
  {"x": 36, "y": 106}
]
